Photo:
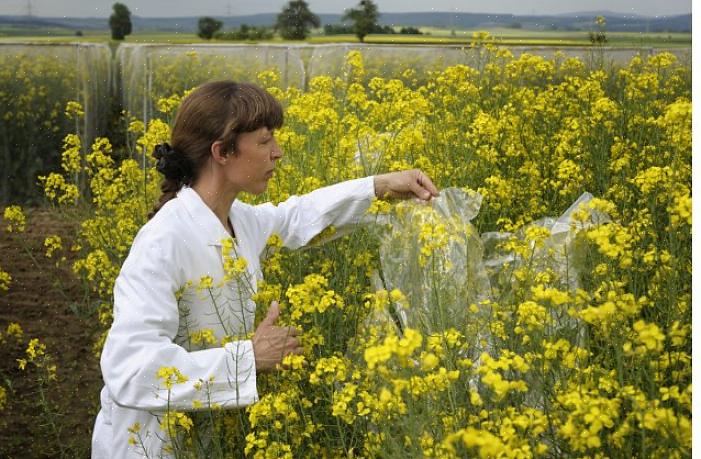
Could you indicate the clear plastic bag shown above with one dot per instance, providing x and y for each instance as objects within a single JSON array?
[{"x": 434, "y": 255}]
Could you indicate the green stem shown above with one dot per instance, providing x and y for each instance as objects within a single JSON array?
[{"x": 51, "y": 418}]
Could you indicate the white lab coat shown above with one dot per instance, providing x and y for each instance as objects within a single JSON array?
[{"x": 150, "y": 330}]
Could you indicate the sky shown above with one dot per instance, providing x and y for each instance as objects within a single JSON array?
[{"x": 162, "y": 8}]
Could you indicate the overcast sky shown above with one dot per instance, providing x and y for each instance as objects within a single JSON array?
[{"x": 102, "y": 8}]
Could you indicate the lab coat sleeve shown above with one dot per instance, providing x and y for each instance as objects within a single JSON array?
[
  {"x": 140, "y": 341},
  {"x": 298, "y": 219}
]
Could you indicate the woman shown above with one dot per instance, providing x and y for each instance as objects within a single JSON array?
[{"x": 180, "y": 339}]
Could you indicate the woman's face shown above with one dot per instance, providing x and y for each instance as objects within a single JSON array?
[{"x": 252, "y": 165}]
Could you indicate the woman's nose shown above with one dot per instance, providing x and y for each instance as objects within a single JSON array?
[{"x": 276, "y": 152}]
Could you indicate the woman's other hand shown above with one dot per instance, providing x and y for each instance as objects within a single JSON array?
[
  {"x": 271, "y": 343},
  {"x": 405, "y": 185}
]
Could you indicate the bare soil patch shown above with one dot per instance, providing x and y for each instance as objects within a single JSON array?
[{"x": 48, "y": 302}]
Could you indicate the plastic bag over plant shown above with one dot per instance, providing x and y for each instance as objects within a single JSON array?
[
  {"x": 551, "y": 246},
  {"x": 433, "y": 254}
]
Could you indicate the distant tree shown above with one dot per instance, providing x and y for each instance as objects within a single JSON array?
[
  {"x": 411, "y": 31},
  {"x": 364, "y": 18},
  {"x": 246, "y": 32},
  {"x": 260, "y": 33},
  {"x": 337, "y": 29},
  {"x": 120, "y": 21},
  {"x": 386, "y": 29},
  {"x": 295, "y": 20},
  {"x": 207, "y": 27}
]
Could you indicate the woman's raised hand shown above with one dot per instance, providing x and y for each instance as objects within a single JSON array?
[
  {"x": 271, "y": 343},
  {"x": 405, "y": 185}
]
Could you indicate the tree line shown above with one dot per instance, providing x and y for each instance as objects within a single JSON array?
[{"x": 294, "y": 22}]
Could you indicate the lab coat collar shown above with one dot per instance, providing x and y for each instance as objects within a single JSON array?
[{"x": 203, "y": 216}]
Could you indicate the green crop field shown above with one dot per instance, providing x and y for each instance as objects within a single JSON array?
[
  {"x": 431, "y": 36},
  {"x": 563, "y": 38}
]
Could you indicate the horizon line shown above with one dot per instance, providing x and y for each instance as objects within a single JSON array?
[{"x": 574, "y": 14}]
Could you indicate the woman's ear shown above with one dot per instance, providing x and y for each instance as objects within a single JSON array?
[{"x": 218, "y": 152}]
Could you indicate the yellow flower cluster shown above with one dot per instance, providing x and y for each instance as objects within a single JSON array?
[
  {"x": 329, "y": 369},
  {"x": 5, "y": 280},
  {"x": 15, "y": 219},
  {"x": 36, "y": 354},
  {"x": 491, "y": 375},
  {"x": 170, "y": 376},
  {"x": 204, "y": 337},
  {"x": 52, "y": 244},
  {"x": 74, "y": 109},
  {"x": 38, "y": 370},
  {"x": 234, "y": 264},
  {"x": 312, "y": 297},
  {"x": 72, "y": 153},
  {"x": 648, "y": 338},
  {"x": 174, "y": 420},
  {"x": 392, "y": 346}
]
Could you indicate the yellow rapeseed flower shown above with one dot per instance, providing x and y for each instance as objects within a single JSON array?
[{"x": 15, "y": 219}]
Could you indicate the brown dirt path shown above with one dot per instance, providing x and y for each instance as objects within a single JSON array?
[{"x": 62, "y": 321}]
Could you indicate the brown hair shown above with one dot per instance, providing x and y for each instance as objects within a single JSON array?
[{"x": 220, "y": 110}]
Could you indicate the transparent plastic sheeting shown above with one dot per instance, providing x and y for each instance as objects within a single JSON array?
[
  {"x": 434, "y": 255},
  {"x": 557, "y": 252},
  {"x": 87, "y": 70},
  {"x": 146, "y": 72},
  {"x": 38, "y": 80},
  {"x": 391, "y": 61},
  {"x": 149, "y": 72}
]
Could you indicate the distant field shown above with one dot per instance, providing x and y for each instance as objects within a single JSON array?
[
  {"x": 563, "y": 38},
  {"x": 104, "y": 37},
  {"x": 449, "y": 40},
  {"x": 432, "y": 35}
]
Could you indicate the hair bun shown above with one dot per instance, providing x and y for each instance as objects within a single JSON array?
[{"x": 172, "y": 164}]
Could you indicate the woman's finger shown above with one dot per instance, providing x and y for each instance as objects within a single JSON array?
[
  {"x": 418, "y": 190},
  {"x": 426, "y": 182}
]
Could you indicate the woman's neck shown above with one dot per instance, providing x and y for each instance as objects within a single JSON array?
[{"x": 217, "y": 198}]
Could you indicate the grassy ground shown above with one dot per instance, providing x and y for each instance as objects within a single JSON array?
[{"x": 509, "y": 37}]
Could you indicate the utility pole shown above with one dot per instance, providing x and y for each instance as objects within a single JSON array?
[{"x": 29, "y": 8}]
